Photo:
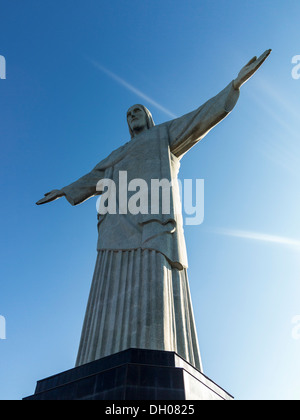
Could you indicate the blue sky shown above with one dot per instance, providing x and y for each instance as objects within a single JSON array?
[{"x": 73, "y": 69}]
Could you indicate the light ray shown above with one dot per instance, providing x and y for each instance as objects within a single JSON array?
[
  {"x": 132, "y": 89},
  {"x": 257, "y": 236}
]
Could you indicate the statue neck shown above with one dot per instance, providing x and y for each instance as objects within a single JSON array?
[{"x": 139, "y": 130}]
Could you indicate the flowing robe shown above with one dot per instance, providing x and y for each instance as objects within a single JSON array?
[{"x": 140, "y": 295}]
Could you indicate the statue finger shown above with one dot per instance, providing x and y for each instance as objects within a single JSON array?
[
  {"x": 264, "y": 56},
  {"x": 42, "y": 201},
  {"x": 48, "y": 197},
  {"x": 251, "y": 61}
]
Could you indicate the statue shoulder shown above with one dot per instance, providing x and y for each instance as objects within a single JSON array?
[{"x": 114, "y": 157}]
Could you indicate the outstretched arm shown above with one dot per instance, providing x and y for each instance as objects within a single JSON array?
[
  {"x": 78, "y": 191},
  {"x": 86, "y": 186},
  {"x": 186, "y": 131}
]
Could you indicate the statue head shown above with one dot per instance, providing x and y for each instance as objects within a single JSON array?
[{"x": 139, "y": 118}]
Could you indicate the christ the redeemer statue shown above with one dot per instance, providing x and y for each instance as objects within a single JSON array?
[{"x": 140, "y": 295}]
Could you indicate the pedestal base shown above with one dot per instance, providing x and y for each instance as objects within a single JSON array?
[{"x": 133, "y": 374}]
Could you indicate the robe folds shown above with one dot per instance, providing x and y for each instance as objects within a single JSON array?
[{"x": 140, "y": 295}]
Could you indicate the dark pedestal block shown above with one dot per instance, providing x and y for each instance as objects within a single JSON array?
[{"x": 133, "y": 374}]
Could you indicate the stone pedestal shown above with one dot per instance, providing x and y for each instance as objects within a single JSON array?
[{"x": 133, "y": 374}]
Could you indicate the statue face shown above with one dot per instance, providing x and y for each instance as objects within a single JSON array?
[{"x": 136, "y": 118}]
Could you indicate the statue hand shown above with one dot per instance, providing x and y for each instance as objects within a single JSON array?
[
  {"x": 50, "y": 196},
  {"x": 249, "y": 69}
]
